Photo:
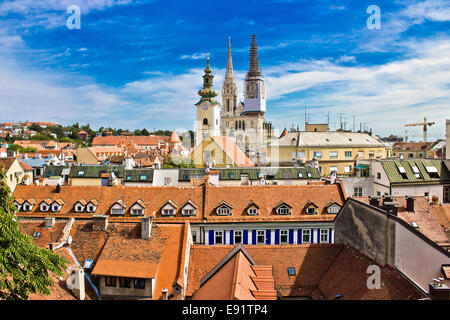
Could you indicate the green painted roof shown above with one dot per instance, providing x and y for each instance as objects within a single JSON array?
[
  {"x": 53, "y": 171},
  {"x": 391, "y": 167},
  {"x": 253, "y": 173},
  {"x": 95, "y": 171},
  {"x": 138, "y": 175}
]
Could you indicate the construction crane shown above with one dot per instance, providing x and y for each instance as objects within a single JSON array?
[{"x": 424, "y": 124}]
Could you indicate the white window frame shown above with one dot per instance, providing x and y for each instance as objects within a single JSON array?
[
  {"x": 324, "y": 236},
  {"x": 218, "y": 234},
  {"x": 314, "y": 210},
  {"x": 168, "y": 212},
  {"x": 306, "y": 232},
  {"x": 44, "y": 207},
  {"x": 223, "y": 211},
  {"x": 137, "y": 212},
  {"x": 317, "y": 154},
  {"x": 284, "y": 210},
  {"x": 79, "y": 207},
  {"x": 252, "y": 211},
  {"x": 241, "y": 236},
  {"x": 57, "y": 206},
  {"x": 281, "y": 236},
  {"x": 333, "y": 207},
  {"x": 91, "y": 208},
  {"x": 260, "y": 233},
  {"x": 334, "y": 154}
]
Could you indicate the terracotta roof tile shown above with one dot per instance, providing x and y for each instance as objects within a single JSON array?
[
  {"x": 425, "y": 215},
  {"x": 238, "y": 197}
]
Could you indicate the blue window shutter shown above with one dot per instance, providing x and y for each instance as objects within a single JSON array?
[
  {"x": 299, "y": 236},
  {"x": 277, "y": 236},
  {"x": 318, "y": 235},
  {"x": 231, "y": 237},
  {"x": 330, "y": 232},
  {"x": 254, "y": 236},
  {"x": 245, "y": 240},
  {"x": 211, "y": 237},
  {"x": 224, "y": 233},
  {"x": 268, "y": 236},
  {"x": 291, "y": 236}
]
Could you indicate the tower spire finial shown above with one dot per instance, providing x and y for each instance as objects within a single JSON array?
[
  {"x": 254, "y": 61},
  {"x": 229, "y": 75}
]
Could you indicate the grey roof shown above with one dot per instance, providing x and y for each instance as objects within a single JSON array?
[{"x": 328, "y": 139}]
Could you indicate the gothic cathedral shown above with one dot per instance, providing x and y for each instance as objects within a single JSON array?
[{"x": 242, "y": 121}]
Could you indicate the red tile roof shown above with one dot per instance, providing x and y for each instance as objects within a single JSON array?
[
  {"x": 205, "y": 198},
  {"x": 6, "y": 163},
  {"x": 321, "y": 271},
  {"x": 116, "y": 140},
  {"x": 236, "y": 279},
  {"x": 348, "y": 276},
  {"x": 426, "y": 216}
]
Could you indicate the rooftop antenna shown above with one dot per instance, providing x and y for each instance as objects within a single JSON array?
[
  {"x": 305, "y": 116},
  {"x": 353, "y": 123}
]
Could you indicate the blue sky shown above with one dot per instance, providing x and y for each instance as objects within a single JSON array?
[{"x": 136, "y": 64}]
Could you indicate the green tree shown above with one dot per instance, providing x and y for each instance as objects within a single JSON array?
[
  {"x": 21, "y": 149},
  {"x": 24, "y": 267},
  {"x": 35, "y": 127}
]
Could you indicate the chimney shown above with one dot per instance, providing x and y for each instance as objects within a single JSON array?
[
  {"x": 374, "y": 201},
  {"x": 410, "y": 203},
  {"x": 438, "y": 290},
  {"x": 76, "y": 282},
  {"x": 391, "y": 207},
  {"x": 387, "y": 198},
  {"x": 164, "y": 294},
  {"x": 146, "y": 228},
  {"x": 49, "y": 222},
  {"x": 100, "y": 223},
  {"x": 58, "y": 188}
]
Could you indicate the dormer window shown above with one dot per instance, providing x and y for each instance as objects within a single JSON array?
[
  {"x": 169, "y": 209},
  {"x": 252, "y": 211},
  {"x": 223, "y": 211},
  {"x": 333, "y": 209},
  {"x": 189, "y": 209},
  {"x": 81, "y": 173},
  {"x": 27, "y": 207},
  {"x": 56, "y": 207},
  {"x": 92, "y": 206},
  {"x": 283, "y": 209},
  {"x": 138, "y": 209},
  {"x": 118, "y": 208},
  {"x": 17, "y": 205},
  {"x": 311, "y": 208},
  {"x": 79, "y": 207},
  {"x": 44, "y": 207}
]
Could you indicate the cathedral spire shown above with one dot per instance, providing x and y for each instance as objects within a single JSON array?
[
  {"x": 254, "y": 70},
  {"x": 229, "y": 75}
]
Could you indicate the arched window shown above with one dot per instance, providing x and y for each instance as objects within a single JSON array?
[
  {"x": 205, "y": 122},
  {"x": 228, "y": 104}
]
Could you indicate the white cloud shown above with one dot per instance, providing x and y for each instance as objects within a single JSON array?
[
  {"x": 434, "y": 10},
  {"x": 194, "y": 56},
  {"x": 387, "y": 95}
]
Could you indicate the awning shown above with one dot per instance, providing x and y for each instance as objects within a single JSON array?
[{"x": 361, "y": 166}]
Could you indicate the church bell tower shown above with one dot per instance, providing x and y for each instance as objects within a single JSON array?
[{"x": 208, "y": 109}]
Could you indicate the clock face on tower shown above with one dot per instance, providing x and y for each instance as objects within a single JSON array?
[{"x": 205, "y": 107}]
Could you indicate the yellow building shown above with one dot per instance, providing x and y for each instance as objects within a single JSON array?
[
  {"x": 219, "y": 151},
  {"x": 333, "y": 151}
]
